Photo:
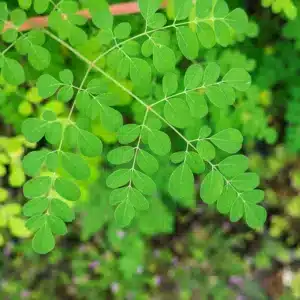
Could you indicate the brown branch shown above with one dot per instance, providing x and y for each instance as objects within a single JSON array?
[{"x": 115, "y": 9}]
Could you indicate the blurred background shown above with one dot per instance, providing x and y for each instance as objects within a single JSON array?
[{"x": 171, "y": 252}]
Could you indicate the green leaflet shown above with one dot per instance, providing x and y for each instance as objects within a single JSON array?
[
  {"x": 52, "y": 161},
  {"x": 124, "y": 213},
  {"x": 43, "y": 240},
  {"x": 165, "y": 54},
  {"x": 57, "y": 226},
  {"x": 245, "y": 181},
  {"x": 206, "y": 150},
  {"x": 66, "y": 76},
  {"x": 140, "y": 71},
  {"x": 159, "y": 142},
  {"x": 101, "y": 15},
  {"x": 128, "y": 133},
  {"x": 223, "y": 33},
  {"x": 158, "y": 20},
  {"x": 211, "y": 74},
  {"x": 33, "y": 162},
  {"x": 220, "y": 9},
  {"x": 255, "y": 216},
  {"x": 36, "y": 222},
  {"x": 234, "y": 165},
  {"x": 47, "y": 85},
  {"x": 18, "y": 16},
  {"x": 118, "y": 178},
  {"x": 226, "y": 200},
  {"x": 178, "y": 157},
  {"x": 62, "y": 210},
  {"x": 182, "y": 9},
  {"x": 122, "y": 30},
  {"x": 204, "y": 132},
  {"x": 238, "y": 78},
  {"x": 177, "y": 112},
  {"x": 181, "y": 184},
  {"x": 237, "y": 210},
  {"x": 238, "y": 20},
  {"x": 49, "y": 115},
  {"x": 254, "y": 196},
  {"x": 10, "y": 35},
  {"x": 220, "y": 95},
  {"x": 53, "y": 134},
  {"x": 197, "y": 104},
  {"x": 195, "y": 162},
  {"x": 121, "y": 155},
  {"x": 36, "y": 206},
  {"x": 129, "y": 194},
  {"x": 147, "y": 162},
  {"x": 75, "y": 165},
  {"x": 37, "y": 187},
  {"x": 89, "y": 144},
  {"x": 170, "y": 84},
  {"x": 39, "y": 57},
  {"x": 110, "y": 118},
  {"x": 206, "y": 35},
  {"x": 204, "y": 8},
  {"x": 193, "y": 77},
  {"x": 67, "y": 189},
  {"x": 148, "y": 8},
  {"x": 128, "y": 200},
  {"x": 3, "y": 14},
  {"x": 187, "y": 42},
  {"x": 212, "y": 187},
  {"x": 12, "y": 71},
  {"x": 229, "y": 140},
  {"x": 143, "y": 183},
  {"x": 40, "y": 6},
  {"x": 65, "y": 94}
]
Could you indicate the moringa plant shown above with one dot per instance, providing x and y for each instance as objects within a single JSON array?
[{"x": 172, "y": 99}]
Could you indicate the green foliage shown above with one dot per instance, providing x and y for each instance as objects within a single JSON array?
[
  {"x": 291, "y": 117},
  {"x": 287, "y": 7},
  {"x": 171, "y": 105}
]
